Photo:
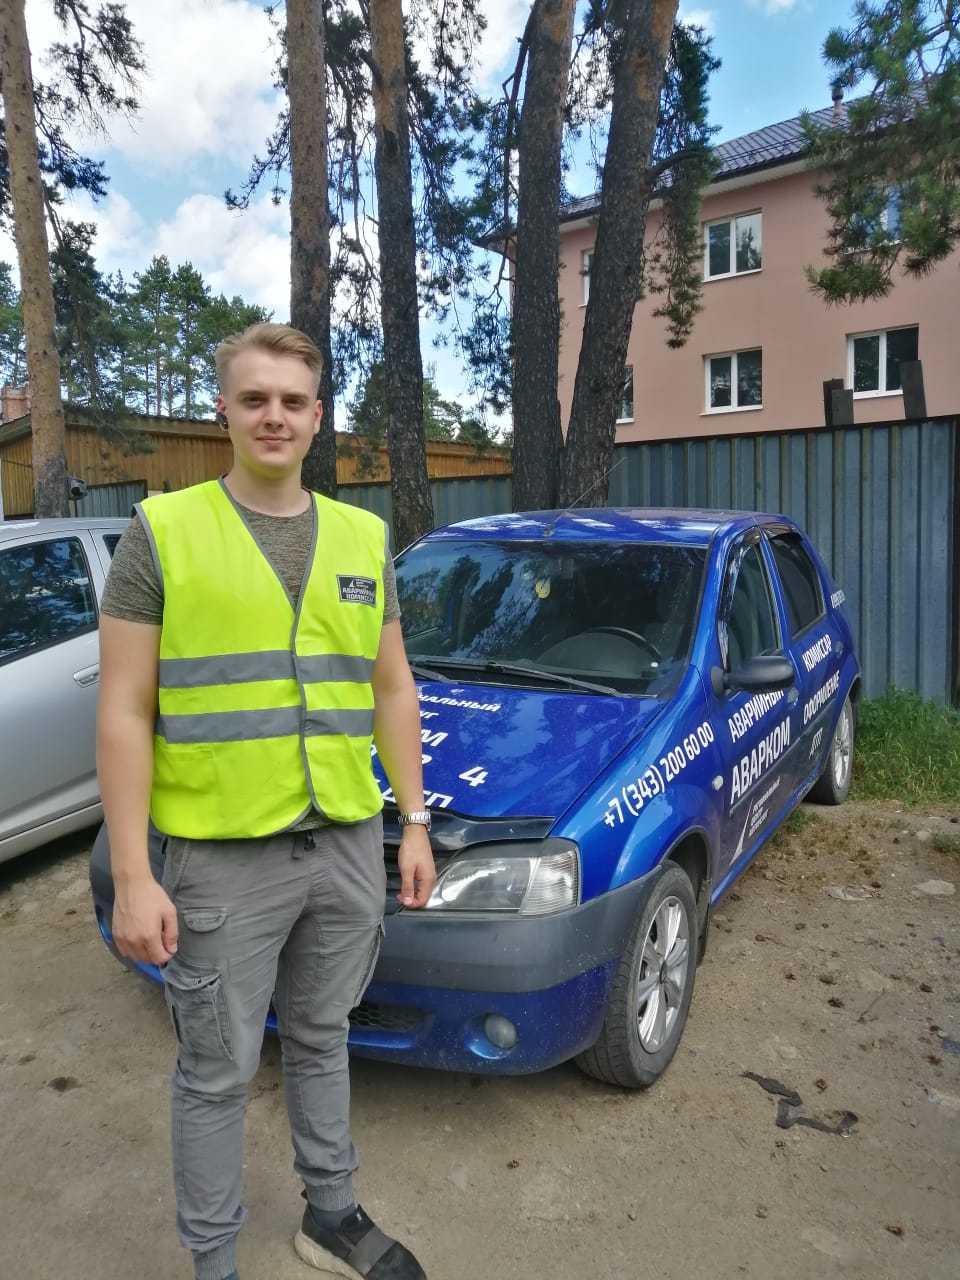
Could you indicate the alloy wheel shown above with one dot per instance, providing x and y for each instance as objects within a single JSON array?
[{"x": 663, "y": 973}]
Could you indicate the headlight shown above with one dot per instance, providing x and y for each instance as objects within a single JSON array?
[{"x": 513, "y": 879}]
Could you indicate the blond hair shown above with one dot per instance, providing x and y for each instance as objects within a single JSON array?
[{"x": 278, "y": 339}]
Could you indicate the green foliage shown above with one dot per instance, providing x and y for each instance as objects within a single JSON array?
[
  {"x": 907, "y": 750},
  {"x": 443, "y": 419},
  {"x": 681, "y": 165},
  {"x": 13, "y": 351},
  {"x": 92, "y": 73},
  {"x": 674, "y": 265},
  {"x": 446, "y": 124},
  {"x": 144, "y": 346},
  {"x": 902, "y": 137}
]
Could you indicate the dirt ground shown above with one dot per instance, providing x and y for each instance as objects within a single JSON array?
[{"x": 855, "y": 1004}]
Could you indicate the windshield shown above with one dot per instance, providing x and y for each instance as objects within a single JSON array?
[{"x": 618, "y": 614}]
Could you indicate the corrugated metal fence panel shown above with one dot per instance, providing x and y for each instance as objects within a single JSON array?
[
  {"x": 372, "y": 497},
  {"x": 878, "y": 503},
  {"x": 453, "y": 499},
  {"x": 109, "y": 499},
  {"x": 466, "y": 499}
]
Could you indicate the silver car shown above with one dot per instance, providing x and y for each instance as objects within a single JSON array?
[{"x": 51, "y": 579}]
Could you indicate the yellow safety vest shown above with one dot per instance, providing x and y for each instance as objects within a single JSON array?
[{"x": 265, "y": 712}]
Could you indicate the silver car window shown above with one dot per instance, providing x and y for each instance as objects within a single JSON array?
[{"x": 46, "y": 596}]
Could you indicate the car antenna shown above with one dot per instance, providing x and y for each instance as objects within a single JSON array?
[{"x": 548, "y": 531}]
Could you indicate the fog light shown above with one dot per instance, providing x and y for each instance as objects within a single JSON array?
[{"x": 500, "y": 1031}]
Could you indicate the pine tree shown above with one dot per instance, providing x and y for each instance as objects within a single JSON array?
[
  {"x": 891, "y": 162},
  {"x": 94, "y": 76},
  {"x": 637, "y": 83},
  {"x": 13, "y": 354}
]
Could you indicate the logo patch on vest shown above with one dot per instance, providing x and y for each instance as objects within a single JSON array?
[{"x": 354, "y": 590}]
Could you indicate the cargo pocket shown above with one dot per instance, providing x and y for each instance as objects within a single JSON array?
[
  {"x": 370, "y": 965},
  {"x": 195, "y": 996}
]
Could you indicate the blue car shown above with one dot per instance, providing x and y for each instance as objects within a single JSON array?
[{"x": 618, "y": 708}]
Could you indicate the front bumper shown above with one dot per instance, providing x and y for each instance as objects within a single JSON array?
[{"x": 439, "y": 978}]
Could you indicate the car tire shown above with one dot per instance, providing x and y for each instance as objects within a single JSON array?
[
  {"x": 647, "y": 1011},
  {"x": 833, "y": 785}
]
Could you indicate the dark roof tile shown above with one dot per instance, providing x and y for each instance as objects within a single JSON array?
[{"x": 764, "y": 148}]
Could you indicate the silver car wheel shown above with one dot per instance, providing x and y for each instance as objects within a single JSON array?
[
  {"x": 663, "y": 974},
  {"x": 842, "y": 748}
]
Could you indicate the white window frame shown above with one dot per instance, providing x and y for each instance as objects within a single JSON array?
[
  {"x": 586, "y": 266},
  {"x": 731, "y": 219},
  {"x": 880, "y": 393},
  {"x": 628, "y": 369},
  {"x": 731, "y": 408}
]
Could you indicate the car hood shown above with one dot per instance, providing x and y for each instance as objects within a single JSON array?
[{"x": 492, "y": 751}]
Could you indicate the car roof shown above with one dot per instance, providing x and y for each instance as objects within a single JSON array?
[
  {"x": 686, "y": 526},
  {"x": 15, "y": 529}
]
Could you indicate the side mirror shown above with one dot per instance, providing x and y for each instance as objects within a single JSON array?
[{"x": 765, "y": 674}]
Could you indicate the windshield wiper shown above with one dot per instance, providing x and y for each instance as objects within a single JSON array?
[
  {"x": 519, "y": 669},
  {"x": 425, "y": 673}
]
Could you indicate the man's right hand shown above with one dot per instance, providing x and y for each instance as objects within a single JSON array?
[{"x": 144, "y": 922}]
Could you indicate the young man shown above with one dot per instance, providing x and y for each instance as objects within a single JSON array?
[{"x": 250, "y": 655}]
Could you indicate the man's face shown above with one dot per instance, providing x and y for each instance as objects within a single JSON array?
[{"x": 272, "y": 411}]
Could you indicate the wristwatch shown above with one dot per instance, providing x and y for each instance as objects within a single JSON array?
[{"x": 418, "y": 818}]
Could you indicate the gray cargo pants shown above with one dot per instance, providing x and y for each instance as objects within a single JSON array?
[{"x": 297, "y": 919}]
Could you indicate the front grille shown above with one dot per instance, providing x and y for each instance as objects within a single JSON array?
[{"x": 386, "y": 1017}]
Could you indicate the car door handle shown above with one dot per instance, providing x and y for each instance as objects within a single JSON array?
[{"x": 88, "y": 675}]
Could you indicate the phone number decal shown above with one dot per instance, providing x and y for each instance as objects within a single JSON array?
[{"x": 655, "y": 779}]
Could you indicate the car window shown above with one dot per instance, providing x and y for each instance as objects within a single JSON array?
[
  {"x": 46, "y": 595},
  {"x": 751, "y": 627},
  {"x": 801, "y": 582},
  {"x": 110, "y": 541},
  {"x": 620, "y": 613}
]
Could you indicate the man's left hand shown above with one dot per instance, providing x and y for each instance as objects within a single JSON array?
[{"x": 418, "y": 875}]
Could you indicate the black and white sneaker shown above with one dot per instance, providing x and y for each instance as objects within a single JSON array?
[{"x": 357, "y": 1247}]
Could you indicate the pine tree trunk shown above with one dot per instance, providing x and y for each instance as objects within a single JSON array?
[
  {"x": 310, "y": 218},
  {"x": 537, "y": 439},
  {"x": 615, "y": 276},
  {"x": 403, "y": 367},
  {"x": 43, "y": 363}
]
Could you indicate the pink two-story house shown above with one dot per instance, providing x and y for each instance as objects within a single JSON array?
[{"x": 764, "y": 343}]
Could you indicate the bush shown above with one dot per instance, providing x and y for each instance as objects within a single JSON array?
[{"x": 907, "y": 750}]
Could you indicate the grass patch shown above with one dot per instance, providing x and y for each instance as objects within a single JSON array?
[
  {"x": 948, "y": 844},
  {"x": 798, "y": 821},
  {"x": 907, "y": 750}
]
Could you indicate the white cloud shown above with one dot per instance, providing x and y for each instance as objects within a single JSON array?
[
  {"x": 246, "y": 253},
  {"x": 207, "y": 89},
  {"x": 705, "y": 18},
  {"x": 774, "y": 7},
  {"x": 497, "y": 51}
]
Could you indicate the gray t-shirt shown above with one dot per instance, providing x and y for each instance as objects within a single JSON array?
[{"x": 134, "y": 590}]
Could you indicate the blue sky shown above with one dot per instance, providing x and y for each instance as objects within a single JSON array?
[{"x": 207, "y": 105}]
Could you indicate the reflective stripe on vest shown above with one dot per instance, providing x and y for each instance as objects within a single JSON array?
[{"x": 251, "y": 736}]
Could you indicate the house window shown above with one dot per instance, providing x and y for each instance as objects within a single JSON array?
[
  {"x": 733, "y": 246},
  {"x": 625, "y": 412},
  {"x": 734, "y": 381},
  {"x": 885, "y": 226},
  {"x": 586, "y": 266},
  {"x": 874, "y": 359}
]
